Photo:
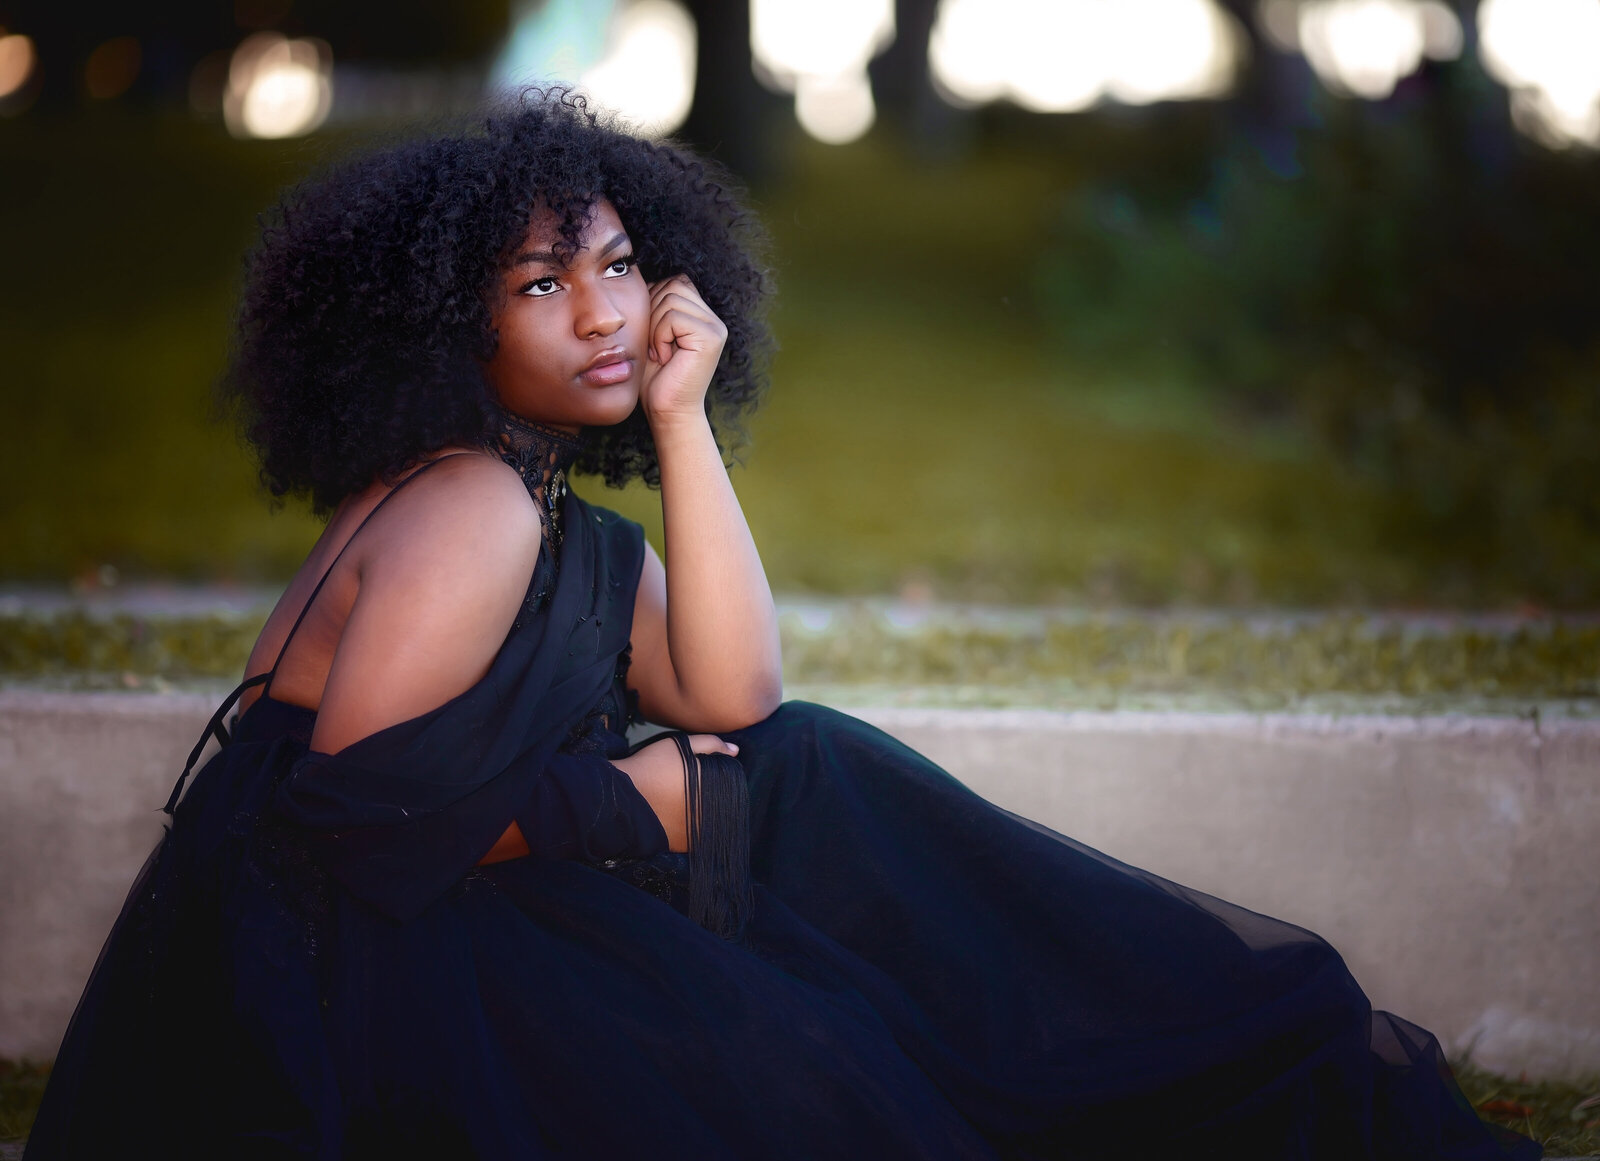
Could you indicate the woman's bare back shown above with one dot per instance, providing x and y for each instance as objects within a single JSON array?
[{"x": 413, "y": 609}]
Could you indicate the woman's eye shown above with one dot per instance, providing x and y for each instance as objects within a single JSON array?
[
  {"x": 621, "y": 266},
  {"x": 540, "y": 287}
]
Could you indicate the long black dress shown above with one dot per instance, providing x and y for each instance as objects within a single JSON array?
[{"x": 312, "y": 964}]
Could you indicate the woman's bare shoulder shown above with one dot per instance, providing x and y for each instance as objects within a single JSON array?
[
  {"x": 472, "y": 503},
  {"x": 441, "y": 581}
]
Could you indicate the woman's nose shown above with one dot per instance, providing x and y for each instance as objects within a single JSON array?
[{"x": 597, "y": 314}]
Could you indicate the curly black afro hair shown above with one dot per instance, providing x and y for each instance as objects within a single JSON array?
[{"x": 365, "y": 321}]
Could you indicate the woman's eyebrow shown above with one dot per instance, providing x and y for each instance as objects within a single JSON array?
[{"x": 549, "y": 257}]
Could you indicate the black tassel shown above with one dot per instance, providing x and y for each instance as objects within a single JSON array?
[{"x": 718, "y": 803}]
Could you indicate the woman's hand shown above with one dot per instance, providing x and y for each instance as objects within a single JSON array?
[
  {"x": 685, "y": 343},
  {"x": 657, "y": 770}
]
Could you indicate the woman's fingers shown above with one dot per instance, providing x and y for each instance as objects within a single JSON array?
[
  {"x": 666, "y": 328},
  {"x": 678, "y": 283},
  {"x": 686, "y": 310},
  {"x": 711, "y": 744},
  {"x": 677, "y": 310},
  {"x": 684, "y": 299},
  {"x": 686, "y": 330}
]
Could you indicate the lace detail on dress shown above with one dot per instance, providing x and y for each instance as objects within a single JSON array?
[
  {"x": 664, "y": 875},
  {"x": 604, "y": 728},
  {"x": 630, "y": 697},
  {"x": 593, "y": 734},
  {"x": 541, "y": 455}
]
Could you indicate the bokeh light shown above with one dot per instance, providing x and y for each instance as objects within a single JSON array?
[
  {"x": 1279, "y": 21},
  {"x": 1547, "y": 52},
  {"x": 1364, "y": 48},
  {"x": 17, "y": 61},
  {"x": 647, "y": 74},
  {"x": 208, "y": 83},
  {"x": 552, "y": 41},
  {"x": 635, "y": 59},
  {"x": 1060, "y": 56},
  {"x": 112, "y": 68},
  {"x": 278, "y": 87},
  {"x": 819, "y": 50},
  {"x": 818, "y": 38},
  {"x": 835, "y": 110}
]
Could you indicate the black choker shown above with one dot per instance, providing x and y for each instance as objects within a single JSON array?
[{"x": 541, "y": 455}]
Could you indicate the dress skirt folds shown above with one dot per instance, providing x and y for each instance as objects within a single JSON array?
[{"x": 312, "y": 964}]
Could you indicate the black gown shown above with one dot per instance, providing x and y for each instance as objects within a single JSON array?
[{"x": 312, "y": 964}]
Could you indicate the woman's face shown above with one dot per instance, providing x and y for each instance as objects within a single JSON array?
[{"x": 572, "y": 337}]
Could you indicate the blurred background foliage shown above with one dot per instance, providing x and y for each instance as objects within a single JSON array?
[
  {"x": 1283, "y": 348},
  {"x": 1425, "y": 319}
]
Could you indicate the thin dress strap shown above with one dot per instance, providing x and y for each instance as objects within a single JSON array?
[
  {"x": 215, "y": 727},
  {"x": 327, "y": 572}
]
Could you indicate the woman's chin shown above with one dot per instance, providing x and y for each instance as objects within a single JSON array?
[
  {"x": 609, "y": 406},
  {"x": 595, "y": 407}
]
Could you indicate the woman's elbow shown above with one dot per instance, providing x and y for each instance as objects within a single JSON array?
[
  {"x": 756, "y": 701},
  {"x": 766, "y": 700}
]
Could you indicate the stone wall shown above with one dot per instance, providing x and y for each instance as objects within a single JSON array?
[{"x": 1452, "y": 860}]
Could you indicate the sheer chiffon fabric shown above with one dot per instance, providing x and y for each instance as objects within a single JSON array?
[{"x": 313, "y": 965}]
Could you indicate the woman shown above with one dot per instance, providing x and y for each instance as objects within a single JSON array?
[{"x": 426, "y": 902}]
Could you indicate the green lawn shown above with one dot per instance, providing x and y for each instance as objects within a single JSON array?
[
  {"x": 851, "y": 652},
  {"x": 923, "y": 434}
]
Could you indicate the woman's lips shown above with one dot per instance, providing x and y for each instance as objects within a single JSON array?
[{"x": 607, "y": 369}]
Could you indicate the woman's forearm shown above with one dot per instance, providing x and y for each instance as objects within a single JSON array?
[{"x": 722, "y": 629}]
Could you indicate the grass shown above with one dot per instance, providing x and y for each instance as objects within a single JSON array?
[
  {"x": 849, "y": 651},
  {"x": 1564, "y": 1117},
  {"x": 21, "y": 1086},
  {"x": 126, "y": 236},
  {"x": 923, "y": 435},
  {"x": 1332, "y": 663}
]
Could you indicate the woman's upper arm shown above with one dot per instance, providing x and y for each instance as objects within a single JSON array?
[
  {"x": 650, "y": 673},
  {"x": 442, "y": 578}
]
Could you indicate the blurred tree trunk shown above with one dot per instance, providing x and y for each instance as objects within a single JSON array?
[
  {"x": 902, "y": 86},
  {"x": 734, "y": 118}
]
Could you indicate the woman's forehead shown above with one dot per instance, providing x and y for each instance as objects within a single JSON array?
[
  {"x": 545, "y": 242},
  {"x": 545, "y": 224}
]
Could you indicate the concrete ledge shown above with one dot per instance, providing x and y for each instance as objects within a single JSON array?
[{"x": 1451, "y": 860}]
